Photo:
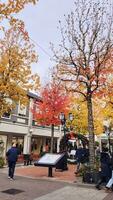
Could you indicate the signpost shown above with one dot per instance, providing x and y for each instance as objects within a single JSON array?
[{"x": 49, "y": 160}]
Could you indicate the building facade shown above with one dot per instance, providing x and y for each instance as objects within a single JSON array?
[{"x": 20, "y": 127}]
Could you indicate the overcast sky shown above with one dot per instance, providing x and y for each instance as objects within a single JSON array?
[{"x": 41, "y": 22}]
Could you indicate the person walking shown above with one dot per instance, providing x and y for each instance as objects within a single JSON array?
[
  {"x": 79, "y": 157},
  {"x": 110, "y": 182},
  {"x": 85, "y": 155},
  {"x": 105, "y": 168},
  {"x": 12, "y": 156}
]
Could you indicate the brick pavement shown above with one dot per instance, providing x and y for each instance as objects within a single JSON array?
[
  {"x": 42, "y": 172},
  {"x": 37, "y": 186}
]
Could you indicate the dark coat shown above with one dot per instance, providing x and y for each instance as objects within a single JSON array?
[
  {"x": 105, "y": 165},
  {"x": 79, "y": 154},
  {"x": 12, "y": 154},
  {"x": 111, "y": 162},
  {"x": 86, "y": 155}
]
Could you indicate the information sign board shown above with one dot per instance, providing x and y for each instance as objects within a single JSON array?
[{"x": 49, "y": 159}]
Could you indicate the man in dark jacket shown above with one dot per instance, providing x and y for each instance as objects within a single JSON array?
[
  {"x": 79, "y": 157},
  {"x": 105, "y": 168},
  {"x": 12, "y": 156}
]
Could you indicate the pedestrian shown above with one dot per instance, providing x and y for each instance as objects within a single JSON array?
[
  {"x": 12, "y": 156},
  {"x": 105, "y": 173},
  {"x": 85, "y": 155},
  {"x": 110, "y": 182},
  {"x": 79, "y": 157}
]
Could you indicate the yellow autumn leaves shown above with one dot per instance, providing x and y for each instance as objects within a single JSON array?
[{"x": 16, "y": 57}]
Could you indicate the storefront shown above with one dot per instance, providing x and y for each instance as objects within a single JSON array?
[{"x": 107, "y": 141}]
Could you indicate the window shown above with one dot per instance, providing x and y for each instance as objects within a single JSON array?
[
  {"x": 7, "y": 115},
  {"x": 22, "y": 110}
]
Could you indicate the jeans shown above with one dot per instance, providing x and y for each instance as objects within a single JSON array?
[
  {"x": 78, "y": 166},
  {"x": 11, "y": 165},
  {"x": 110, "y": 182}
]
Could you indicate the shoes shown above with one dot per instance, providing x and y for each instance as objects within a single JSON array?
[
  {"x": 108, "y": 189},
  {"x": 98, "y": 187},
  {"x": 12, "y": 179}
]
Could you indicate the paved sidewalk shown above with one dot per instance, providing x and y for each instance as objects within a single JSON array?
[
  {"x": 73, "y": 193},
  {"x": 26, "y": 188},
  {"x": 34, "y": 184},
  {"x": 42, "y": 172}
]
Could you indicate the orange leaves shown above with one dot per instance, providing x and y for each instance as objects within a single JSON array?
[
  {"x": 16, "y": 56},
  {"x": 21, "y": 28},
  {"x": 13, "y": 6},
  {"x": 54, "y": 102}
]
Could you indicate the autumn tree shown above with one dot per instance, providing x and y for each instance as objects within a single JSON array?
[
  {"x": 101, "y": 111},
  {"x": 108, "y": 97},
  {"x": 10, "y": 56},
  {"x": 84, "y": 54},
  {"x": 78, "y": 109},
  {"x": 12, "y": 6},
  {"x": 103, "y": 105},
  {"x": 9, "y": 8},
  {"x": 54, "y": 102},
  {"x": 16, "y": 56}
]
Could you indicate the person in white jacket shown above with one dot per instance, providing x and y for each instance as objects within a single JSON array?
[{"x": 110, "y": 182}]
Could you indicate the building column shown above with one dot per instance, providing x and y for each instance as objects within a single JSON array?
[
  {"x": 58, "y": 145},
  {"x": 58, "y": 140},
  {"x": 27, "y": 144},
  {"x": 28, "y": 137},
  {"x": 4, "y": 139},
  {"x": 9, "y": 142}
]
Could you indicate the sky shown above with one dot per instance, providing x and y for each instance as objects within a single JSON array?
[{"x": 41, "y": 22}]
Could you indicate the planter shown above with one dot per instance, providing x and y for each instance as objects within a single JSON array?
[{"x": 91, "y": 177}]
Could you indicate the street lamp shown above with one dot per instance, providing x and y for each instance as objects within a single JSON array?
[
  {"x": 64, "y": 147},
  {"x": 71, "y": 117},
  {"x": 63, "y": 122}
]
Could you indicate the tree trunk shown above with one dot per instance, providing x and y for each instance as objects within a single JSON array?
[
  {"x": 91, "y": 133},
  {"x": 52, "y": 138}
]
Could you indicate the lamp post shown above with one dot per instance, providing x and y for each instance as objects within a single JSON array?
[
  {"x": 71, "y": 117},
  {"x": 63, "y": 122}
]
